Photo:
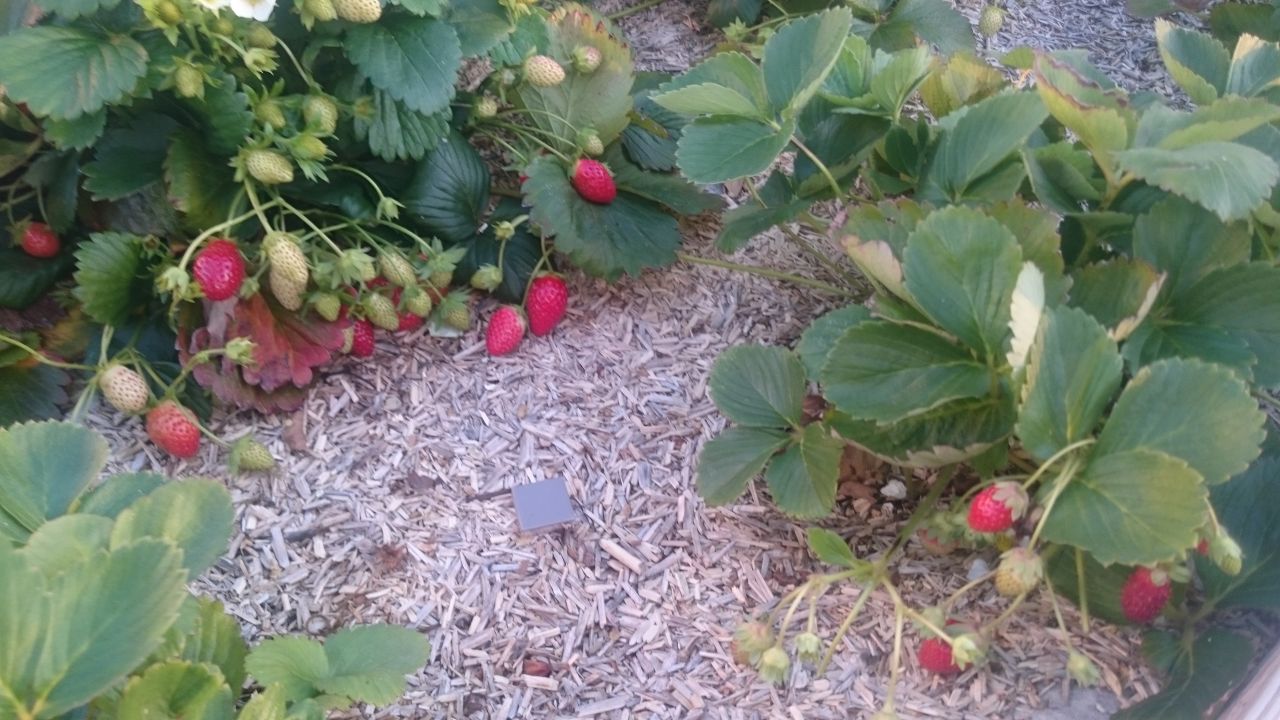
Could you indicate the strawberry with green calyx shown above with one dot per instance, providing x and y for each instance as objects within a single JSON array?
[
  {"x": 543, "y": 72},
  {"x": 396, "y": 268},
  {"x": 486, "y": 277},
  {"x": 774, "y": 664},
  {"x": 417, "y": 301},
  {"x": 589, "y": 142},
  {"x": 124, "y": 389},
  {"x": 327, "y": 306},
  {"x": 1225, "y": 552},
  {"x": 320, "y": 114},
  {"x": 188, "y": 80},
  {"x": 486, "y": 107},
  {"x": 314, "y": 11},
  {"x": 358, "y": 11},
  {"x": 249, "y": 455},
  {"x": 268, "y": 112},
  {"x": 288, "y": 270},
  {"x": 355, "y": 265},
  {"x": 934, "y": 655},
  {"x": 306, "y": 147},
  {"x": 455, "y": 310},
  {"x": 995, "y": 507},
  {"x": 546, "y": 303},
  {"x": 505, "y": 331},
  {"x": 1081, "y": 669},
  {"x": 173, "y": 429},
  {"x": 381, "y": 311},
  {"x": 1145, "y": 594},
  {"x": 219, "y": 269},
  {"x": 267, "y": 166},
  {"x": 1019, "y": 572},
  {"x": 808, "y": 647},
  {"x": 260, "y": 36},
  {"x": 586, "y": 59},
  {"x": 593, "y": 181},
  {"x": 750, "y": 640},
  {"x": 39, "y": 240}
]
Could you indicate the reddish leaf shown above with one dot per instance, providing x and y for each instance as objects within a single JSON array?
[{"x": 288, "y": 350}]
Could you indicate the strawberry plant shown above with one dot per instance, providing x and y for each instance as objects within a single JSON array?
[
  {"x": 97, "y": 621},
  {"x": 1069, "y": 318},
  {"x": 288, "y": 180}
]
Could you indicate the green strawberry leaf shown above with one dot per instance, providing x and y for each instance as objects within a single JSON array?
[
  {"x": 1196, "y": 61},
  {"x": 830, "y": 548},
  {"x": 1201, "y": 674},
  {"x": 758, "y": 386},
  {"x": 1134, "y": 507},
  {"x": 1118, "y": 294},
  {"x": 625, "y": 236},
  {"x": 732, "y": 459},
  {"x": 1073, "y": 372},
  {"x": 107, "y": 277},
  {"x": 799, "y": 55},
  {"x": 128, "y": 159},
  {"x": 1228, "y": 178},
  {"x": 195, "y": 516},
  {"x": 92, "y": 70},
  {"x": 1244, "y": 302},
  {"x": 449, "y": 192},
  {"x": 223, "y": 115},
  {"x": 1185, "y": 242},
  {"x": 651, "y": 136},
  {"x": 118, "y": 492},
  {"x": 31, "y": 393},
  {"x": 935, "y": 21},
  {"x": 1248, "y": 506},
  {"x": 414, "y": 60},
  {"x": 25, "y": 279},
  {"x": 675, "y": 193},
  {"x": 480, "y": 24},
  {"x": 886, "y": 372},
  {"x": 1191, "y": 410},
  {"x": 802, "y": 480},
  {"x": 78, "y": 133},
  {"x": 291, "y": 662},
  {"x": 961, "y": 267},
  {"x": 396, "y": 133},
  {"x": 713, "y": 150},
  {"x": 57, "y": 176},
  {"x": 1103, "y": 586},
  {"x": 177, "y": 689},
  {"x": 44, "y": 466},
  {"x": 200, "y": 184},
  {"x": 519, "y": 259},
  {"x": 368, "y": 664},
  {"x": 66, "y": 541},
  {"x": 954, "y": 432},
  {"x": 816, "y": 342},
  {"x": 75, "y": 8},
  {"x": 981, "y": 139}
]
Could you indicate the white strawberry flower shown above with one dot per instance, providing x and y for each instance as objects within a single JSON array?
[
  {"x": 214, "y": 5},
  {"x": 258, "y": 10}
]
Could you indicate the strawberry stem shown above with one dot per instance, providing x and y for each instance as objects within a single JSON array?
[
  {"x": 766, "y": 272},
  {"x": 40, "y": 357}
]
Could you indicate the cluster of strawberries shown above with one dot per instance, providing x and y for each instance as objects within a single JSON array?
[{"x": 992, "y": 513}]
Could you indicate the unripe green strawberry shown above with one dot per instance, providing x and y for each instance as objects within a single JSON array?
[
  {"x": 541, "y": 71},
  {"x": 268, "y": 112},
  {"x": 396, "y": 269},
  {"x": 774, "y": 664},
  {"x": 288, "y": 269},
  {"x": 188, "y": 81},
  {"x": 590, "y": 142},
  {"x": 308, "y": 147},
  {"x": 223, "y": 26},
  {"x": 419, "y": 303},
  {"x": 1019, "y": 572},
  {"x": 327, "y": 306},
  {"x": 455, "y": 312},
  {"x": 991, "y": 20},
  {"x": 124, "y": 389},
  {"x": 320, "y": 114},
  {"x": 358, "y": 11},
  {"x": 169, "y": 12},
  {"x": 322, "y": 10},
  {"x": 381, "y": 311},
  {"x": 249, "y": 455},
  {"x": 260, "y": 36},
  {"x": 268, "y": 167},
  {"x": 486, "y": 277},
  {"x": 586, "y": 59},
  {"x": 486, "y": 107},
  {"x": 440, "y": 279}
]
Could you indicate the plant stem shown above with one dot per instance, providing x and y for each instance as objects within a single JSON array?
[
  {"x": 1083, "y": 591},
  {"x": 822, "y": 167},
  {"x": 40, "y": 357},
  {"x": 1057, "y": 612},
  {"x": 849, "y": 619},
  {"x": 822, "y": 259},
  {"x": 303, "y": 217},
  {"x": 955, "y": 596},
  {"x": 895, "y": 659},
  {"x": 766, "y": 272},
  {"x": 625, "y": 12},
  {"x": 232, "y": 222},
  {"x": 1060, "y": 484}
]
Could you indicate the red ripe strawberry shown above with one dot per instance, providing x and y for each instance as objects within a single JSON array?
[
  {"x": 362, "y": 338},
  {"x": 1202, "y": 547},
  {"x": 547, "y": 300},
  {"x": 1145, "y": 594},
  {"x": 505, "y": 331},
  {"x": 995, "y": 508},
  {"x": 409, "y": 322},
  {"x": 935, "y": 656},
  {"x": 593, "y": 181},
  {"x": 219, "y": 269},
  {"x": 173, "y": 429},
  {"x": 39, "y": 240}
]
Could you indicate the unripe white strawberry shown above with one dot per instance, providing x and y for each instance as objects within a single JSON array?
[
  {"x": 358, "y": 11},
  {"x": 124, "y": 389},
  {"x": 541, "y": 71}
]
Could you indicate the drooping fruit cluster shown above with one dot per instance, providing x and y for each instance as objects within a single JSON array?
[
  {"x": 593, "y": 181},
  {"x": 545, "y": 305},
  {"x": 219, "y": 269}
]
